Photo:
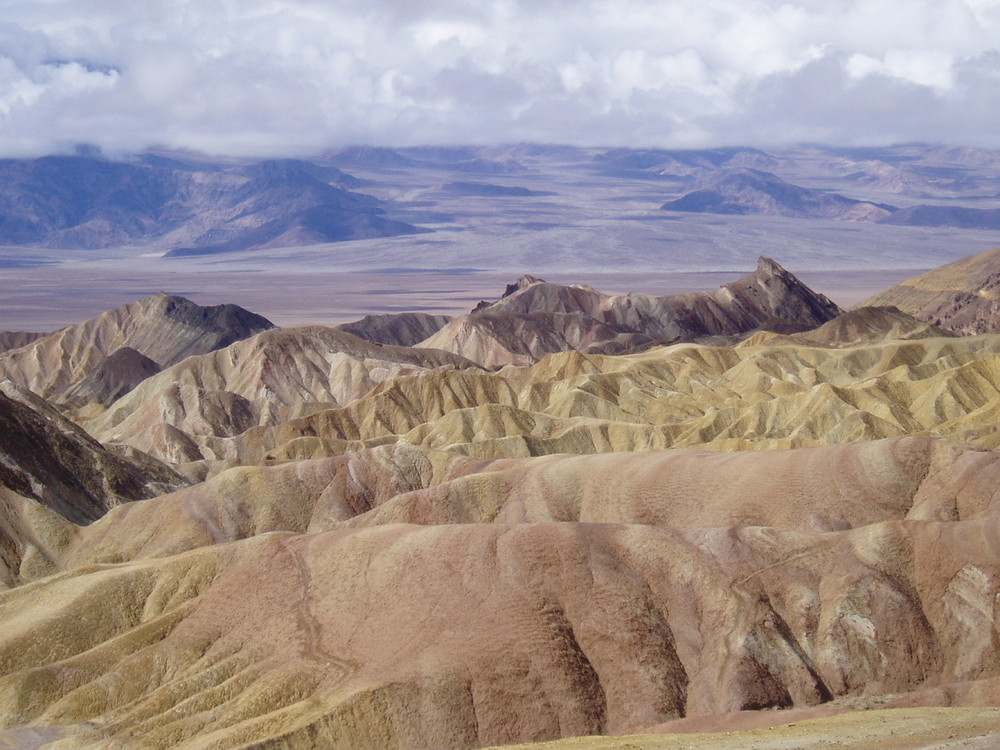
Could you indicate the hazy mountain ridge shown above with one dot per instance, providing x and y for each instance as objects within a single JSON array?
[
  {"x": 751, "y": 191},
  {"x": 191, "y": 208},
  {"x": 186, "y": 205}
]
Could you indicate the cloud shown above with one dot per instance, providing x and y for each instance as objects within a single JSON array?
[{"x": 293, "y": 77}]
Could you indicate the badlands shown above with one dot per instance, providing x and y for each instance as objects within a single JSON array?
[{"x": 730, "y": 519}]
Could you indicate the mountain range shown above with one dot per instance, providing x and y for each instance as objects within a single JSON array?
[
  {"x": 190, "y": 206},
  {"x": 564, "y": 514},
  {"x": 752, "y": 191}
]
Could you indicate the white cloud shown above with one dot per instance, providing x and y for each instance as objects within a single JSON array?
[
  {"x": 924, "y": 68},
  {"x": 297, "y": 76}
]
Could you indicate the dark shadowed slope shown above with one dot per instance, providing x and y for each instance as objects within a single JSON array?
[
  {"x": 402, "y": 329},
  {"x": 16, "y": 339},
  {"x": 112, "y": 378},
  {"x": 47, "y": 457}
]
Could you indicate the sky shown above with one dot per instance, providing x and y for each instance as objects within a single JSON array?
[{"x": 298, "y": 77}]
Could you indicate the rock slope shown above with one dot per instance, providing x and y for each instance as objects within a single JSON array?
[
  {"x": 962, "y": 297},
  {"x": 769, "y": 392},
  {"x": 185, "y": 412},
  {"x": 46, "y": 457}
]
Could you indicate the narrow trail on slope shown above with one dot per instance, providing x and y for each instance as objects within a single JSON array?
[{"x": 308, "y": 622}]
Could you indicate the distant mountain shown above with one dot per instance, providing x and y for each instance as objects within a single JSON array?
[
  {"x": 675, "y": 163},
  {"x": 368, "y": 156},
  {"x": 752, "y": 191},
  {"x": 163, "y": 328},
  {"x": 78, "y": 202},
  {"x": 487, "y": 190},
  {"x": 903, "y": 179},
  {"x": 962, "y": 297},
  {"x": 187, "y": 207},
  {"x": 449, "y": 158}
]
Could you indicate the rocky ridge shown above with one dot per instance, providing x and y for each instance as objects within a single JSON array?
[{"x": 535, "y": 318}]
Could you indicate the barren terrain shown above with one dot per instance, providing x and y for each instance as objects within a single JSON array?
[{"x": 718, "y": 509}]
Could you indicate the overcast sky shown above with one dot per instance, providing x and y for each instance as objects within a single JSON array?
[{"x": 294, "y": 77}]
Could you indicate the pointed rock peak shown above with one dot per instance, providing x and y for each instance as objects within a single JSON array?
[
  {"x": 522, "y": 283},
  {"x": 783, "y": 295},
  {"x": 769, "y": 272},
  {"x": 769, "y": 267}
]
